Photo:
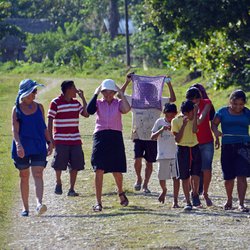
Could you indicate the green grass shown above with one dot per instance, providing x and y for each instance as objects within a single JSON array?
[{"x": 8, "y": 90}]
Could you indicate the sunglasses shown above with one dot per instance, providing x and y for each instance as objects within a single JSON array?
[{"x": 34, "y": 91}]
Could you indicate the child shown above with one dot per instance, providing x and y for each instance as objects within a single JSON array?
[
  {"x": 235, "y": 158},
  {"x": 188, "y": 154},
  {"x": 166, "y": 151}
]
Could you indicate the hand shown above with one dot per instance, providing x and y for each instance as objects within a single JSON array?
[
  {"x": 128, "y": 77},
  {"x": 185, "y": 120},
  {"x": 217, "y": 133},
  {"x": 80, "y": 93},
  {"x": 98, "y": 90},
  {"x": 167, "y": 127},
  {"x": 168, "y": 79},
  {"x": 217, "y": 143},
  {"x": 20, "y": 151}
]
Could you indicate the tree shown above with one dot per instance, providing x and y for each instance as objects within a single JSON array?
[{"x": 197, "y": 22}]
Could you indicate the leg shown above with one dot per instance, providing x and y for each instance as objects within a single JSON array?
[
  {"x": 37, "y": 173},
  {"x": 138, "y": 167},
  {"x": 195, "y": 180},
  {"x": 229, "y": 185},
  {"x": 241, "y": 188},
  {"x": 119, "y": 182},
  {"x": 176, "y": 184},
  {"x": 58, "y": 177},
  {"x": 73, "y": 175},
  {"x": 162, "y": 196},
  {"x": 98, "y": 185},
  {"x": 24, "y": 186},
  {"x": 148, "y": 172},
  {"x": 185, "y": 186},
  {"x": 207, "y": 176}
]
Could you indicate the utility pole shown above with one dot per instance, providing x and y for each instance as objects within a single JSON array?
[{"x": 127, "y": 33}]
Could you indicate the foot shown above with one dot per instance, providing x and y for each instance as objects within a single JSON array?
[
  {"x": 25, "y": 213},
  {"x": 196, "y": 200},
  {"x": 97, "y": 207},
  {"x": 175, "y": 205},
  {"x": 58, "y": 189},
  {"x": 137, "y": 186},
  {"x": 162, "y": 197},
  {"x": 124, "y": 200},
  {"x": 146, "y": 190},
  {"x": 228, "y": 206},
  {"x": 243, "y": 209},
  {"x": 40, "y": 209},
  {"x": 188, "y": 207},
  {"x": 72, "y": 193},
  {"x": 209, "y": 203}
]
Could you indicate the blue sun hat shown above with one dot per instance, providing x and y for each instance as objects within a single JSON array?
[{"x": 26, "y": 87}]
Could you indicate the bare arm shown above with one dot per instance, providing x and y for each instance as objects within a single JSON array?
[
  {"x": 178, "y": 135},
  {"x": 214, "y": 126},
  {"x": 155, "y": 135},
  {"x": 84, "y": 103},
  {"x": 195, "y": 127},
  {"x": 15, "y": 133},
  {"x": 124, "y": 107},
  {"x": 204, "y": 113},
  {"x": 126, "y": 83},
  {"x": 171, "y": 92}
]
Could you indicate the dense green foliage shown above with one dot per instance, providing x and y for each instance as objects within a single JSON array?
[{"x": 207, "y": 35}]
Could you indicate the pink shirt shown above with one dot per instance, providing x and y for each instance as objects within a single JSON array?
[{"x": 108, "y": 116}]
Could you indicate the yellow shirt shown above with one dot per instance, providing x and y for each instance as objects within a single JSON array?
[{"x": 188, "y": 138}]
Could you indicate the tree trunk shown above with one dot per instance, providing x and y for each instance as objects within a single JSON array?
[{"x": 114, "y": 18}]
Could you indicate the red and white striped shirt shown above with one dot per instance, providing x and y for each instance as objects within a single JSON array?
[{"x": 65, "y": 117}]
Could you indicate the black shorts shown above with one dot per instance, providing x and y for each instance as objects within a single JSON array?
[
  {"x": 188, "y": 161},
  {"x": 68, "y": 156},
  {"x": 108, "y": 152},
  {"x": 235, "y": 160},
  {"x": 145, "y": 149}
]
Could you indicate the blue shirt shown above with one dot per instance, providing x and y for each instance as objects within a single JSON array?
[
  {"x": 32, "y": 134},
  {"x": 234, "y": 125}
]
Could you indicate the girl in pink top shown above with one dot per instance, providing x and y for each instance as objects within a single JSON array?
[{"x": 108, "y": 155}]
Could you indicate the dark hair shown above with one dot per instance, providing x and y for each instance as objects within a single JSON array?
[
  {"x": 66, "y": 85},
  {"x": 193, "y": 93},
  {"x": 238, "y": 94},
  {"x": 202, "y": 90},
  {"x": 187, "y": 106},
  {"x": 170, "y": 108}
]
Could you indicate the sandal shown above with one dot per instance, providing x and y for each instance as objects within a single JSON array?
[
  {"x": 125, "y": 201},
  {"x": 97, "y": 207},
  {"x": 227, "y": 206},
  {"x": 243, "y": 209}
]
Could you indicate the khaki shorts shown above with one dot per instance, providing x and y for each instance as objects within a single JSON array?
[{"x": 167, "y": 169}]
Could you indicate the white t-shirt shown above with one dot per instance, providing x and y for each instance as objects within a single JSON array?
[
  {"x": 143, "y": 120},
  {"x": 166, "y": 146}
]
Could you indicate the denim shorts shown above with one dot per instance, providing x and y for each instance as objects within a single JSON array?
[
  {"x": 207, "y": 154},
  {"x": 30, "y": 161}
]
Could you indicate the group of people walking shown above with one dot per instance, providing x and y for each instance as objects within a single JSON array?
[{"x": 182, "y": 144}]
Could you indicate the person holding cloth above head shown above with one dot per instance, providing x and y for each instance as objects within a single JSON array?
[
  {"x": 108, "y": 154},
  {"x": 30, "y": 137},
  {"x": 143, "y": 120},
  {"x": 63, "y": 116},
  {"x": 235, "y": 148}
]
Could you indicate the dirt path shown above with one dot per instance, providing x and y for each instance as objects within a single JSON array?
[{"x": 70, "y": 223}]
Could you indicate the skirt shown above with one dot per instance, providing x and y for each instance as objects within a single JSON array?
[{"x": 108, "y": 152}]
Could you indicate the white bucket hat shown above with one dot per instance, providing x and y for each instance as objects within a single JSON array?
[{"x": 108, "y": 84}]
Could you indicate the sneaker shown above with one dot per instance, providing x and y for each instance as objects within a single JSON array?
[
  {"x": 41, "y": 209},
  {"x": 137, "y": 187},
  {"x": 188, "y": 207},
  {"x": 25, "y": 213},
  {"x": 72, "y": 193},
  {"x": 196, "y": 200},
  {"x": 58, "y": 189},
  {"x": 146, "y": 191}
]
